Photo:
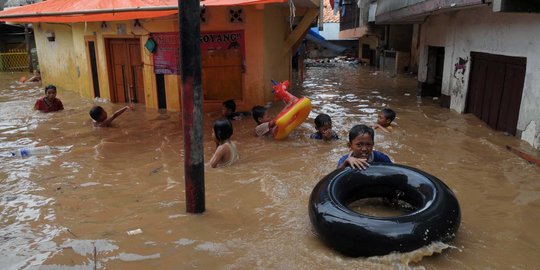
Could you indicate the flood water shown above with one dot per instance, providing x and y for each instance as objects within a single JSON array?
[{"x": 72, "y": 209}]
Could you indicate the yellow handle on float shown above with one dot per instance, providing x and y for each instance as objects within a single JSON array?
[{"x": 292, "y": 118}]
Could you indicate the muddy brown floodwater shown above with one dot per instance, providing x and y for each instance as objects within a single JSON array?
[{"x": 72, "y": 209}]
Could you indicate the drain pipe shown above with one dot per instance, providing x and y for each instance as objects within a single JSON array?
[{"x": 192, "y": 117}]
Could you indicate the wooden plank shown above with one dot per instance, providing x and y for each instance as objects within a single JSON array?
[
  {"x": 523, "y": 155},
  {"x": 300, "y": 30}
]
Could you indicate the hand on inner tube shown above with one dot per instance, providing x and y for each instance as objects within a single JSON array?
[{"x": 355, "y": 163}]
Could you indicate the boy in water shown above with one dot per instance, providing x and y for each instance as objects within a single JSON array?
[
  {"x": 384, "y": 120},
  {"x": 229, "y": 110},
  {"x": 99, "y": 115},
  {"x": 323, "y": 125},
  {"x": 265, "y": 124},
  {"x": 35, "y": 78},
  {"x": 49, "y": 103},
  {"x": 361, "y": 141}
]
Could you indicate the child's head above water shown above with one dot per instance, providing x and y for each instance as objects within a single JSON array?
[
  {"x": 361, "y": 141},
  {"x": 260, "y": 114},
  {"x": 50, "y": 91},
  {"x": 98, "y": 114},
  {"x": 323, "y": 121},
  {"x": 229, "y": 107},
  {"x": 223, "y": 130},
  {"x": 385, "y": 117}
]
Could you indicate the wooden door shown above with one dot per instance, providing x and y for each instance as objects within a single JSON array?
[
  {"x": 495, "y": 90},
  {"x": 136, "y": 83},
  {"x": 125, "y": 64},
  {"x": 222, "y": 74}
]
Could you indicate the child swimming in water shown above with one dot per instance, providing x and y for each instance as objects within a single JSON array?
[
  {"x": 226, "y": 153},
  {"x": 49, "y": 103},
  {"x": 384, "y": 120},
  {"x": 323, "y": 125},
  {"x": 99, "y": 115}
]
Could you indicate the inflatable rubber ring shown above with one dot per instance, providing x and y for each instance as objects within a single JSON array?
[
  {"x": 436, "y": 216},
  {"x": 291, "y": 118}
]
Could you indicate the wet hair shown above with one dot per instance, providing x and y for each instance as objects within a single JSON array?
[
  {"x": 96, "y": 112},
  {"x": 322, "y": 120},
  {"x": 359, "y": 130},
  {"x": 223, "y": 129},
  {"x": 389, "y": 114},
  {"x": 229, "y": 104},
  {"x": 49, "y": 87},
  {"x": 258, "y": 112}
]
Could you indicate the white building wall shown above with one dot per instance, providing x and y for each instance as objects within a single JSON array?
[
  {"x": 330, "y": 31},
  {"x": 481, "y": 30}
]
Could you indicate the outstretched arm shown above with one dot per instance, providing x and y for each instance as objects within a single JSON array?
[{"x": 109, "y": 120}]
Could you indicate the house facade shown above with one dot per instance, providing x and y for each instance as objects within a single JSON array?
[
  {"x": 477, "y": 56},
  {"x": 243, "y": 47}
]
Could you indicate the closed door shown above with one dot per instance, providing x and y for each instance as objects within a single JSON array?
[
  {"x": 222, "y": 74},
  {"x": 126, "y": 70},
  {"x": 495, "y": 90}
]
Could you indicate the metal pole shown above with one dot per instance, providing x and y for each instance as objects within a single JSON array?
[
  {"x": 190, "y": 57},
  {"x": 28, "y": 48}
]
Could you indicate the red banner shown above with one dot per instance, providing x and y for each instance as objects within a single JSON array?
[{"x": 167, "y": 53}]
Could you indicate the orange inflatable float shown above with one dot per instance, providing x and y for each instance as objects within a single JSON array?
[{"x": 296, "y": 111}]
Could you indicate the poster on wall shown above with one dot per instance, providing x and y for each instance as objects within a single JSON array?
[
  {"x": 167, "y": 53},
  {"x": 223, "y": 40}
]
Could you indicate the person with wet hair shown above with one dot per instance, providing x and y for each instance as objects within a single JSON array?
[
  {"x": 35, "y": 78},
  {"x": 323, "y": 125},
  {"x": 229, "y": 111},
  {"x": 384, "y": 120},
  {"x": 49, "y": 103},
  {"x": 226, "y": 153},
  {"x": 99, "y": 115},
  {"x": 361, "y": 142},
  {"x": 265, "y": 124}
]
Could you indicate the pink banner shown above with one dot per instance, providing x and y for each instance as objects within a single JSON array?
[{"x": 167, "y": 53}]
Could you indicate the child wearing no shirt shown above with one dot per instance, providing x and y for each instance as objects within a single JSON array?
[{"x": 226, "y": 153}]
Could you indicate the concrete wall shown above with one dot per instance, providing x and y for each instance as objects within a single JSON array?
[
  {"x": 330, "y": 31},
  {"x": 65, "y": 62},
  {"x": 57, "y": 68},
  {"x": 481, "y": 30},
  {"x": 372, "y": 41}
]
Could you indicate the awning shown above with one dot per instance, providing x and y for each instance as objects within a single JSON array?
[{"x": 106, "y": 10}]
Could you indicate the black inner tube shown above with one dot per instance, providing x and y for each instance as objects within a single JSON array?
[
  {"x": 392, "y": 187},
  {"x": 436, "y": 215}
]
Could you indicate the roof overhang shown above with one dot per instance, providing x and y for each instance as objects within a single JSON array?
[
  {"x": 405, "y": 12},
  {"x": 106, "y": 10}
]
